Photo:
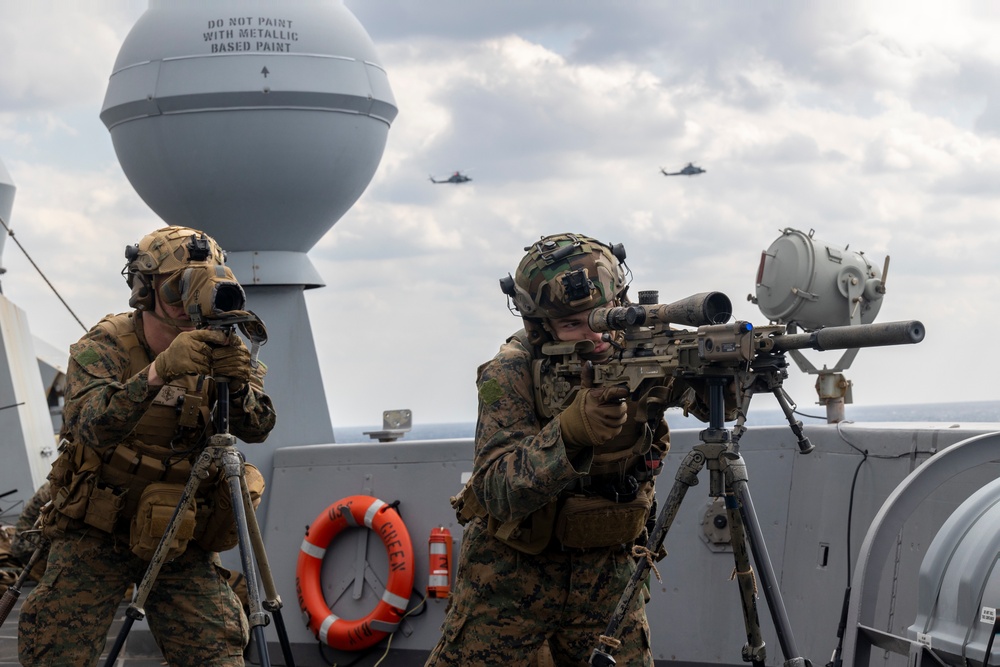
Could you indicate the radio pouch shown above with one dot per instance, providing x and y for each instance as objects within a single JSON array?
[
  {"x": 157, "y": 504},
  {"x": 531, "y": 534}
]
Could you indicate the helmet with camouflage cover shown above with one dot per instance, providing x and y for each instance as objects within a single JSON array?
[
  {"x": 564, "y": 274},
  {"x": 169, "y": 251}
]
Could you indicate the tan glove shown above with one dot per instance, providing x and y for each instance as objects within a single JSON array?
[
  {"x": 232, "y": 361},
  {"x": 189, "y": 354},
  {"x": 595, "y": 415}
]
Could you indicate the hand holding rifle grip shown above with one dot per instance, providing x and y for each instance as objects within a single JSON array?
[{"x": 596, "y": 414}]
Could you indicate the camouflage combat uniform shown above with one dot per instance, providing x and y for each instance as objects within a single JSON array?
[
  {"x": 26, "y": 537},
  {"x": 192, "y": 612},
  {"x": 505, "y": 603}
]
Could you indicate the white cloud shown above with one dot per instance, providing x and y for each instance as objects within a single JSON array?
[{"x": 839, "y": 118}]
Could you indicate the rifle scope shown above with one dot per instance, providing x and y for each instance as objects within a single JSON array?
[{"x": 694, "y": 311}]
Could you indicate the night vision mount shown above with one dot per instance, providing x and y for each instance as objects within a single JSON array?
[{"x": 577, "y": 284}]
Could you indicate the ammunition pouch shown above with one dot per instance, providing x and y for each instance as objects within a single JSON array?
[
  {"x": 71, "y": 478},
  {"x": 577, "y": 521},
  {"x": 79, "y": 496},
  {"x": 588, "y": 522},
  {"x": 104, "y": 506},
  {"x": 216, "y": 529},
  {"x": 134, "y": 483},
  {"x": 529, "y": 535},
  {"x": 71, "y": 500},
  {"x": 130, "y": 470},
  {"x": 125, "y": 459},
  {"x": 157, "y": 505}
]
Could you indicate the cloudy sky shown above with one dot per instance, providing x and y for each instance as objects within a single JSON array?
[{"x": 876, "y": 124}]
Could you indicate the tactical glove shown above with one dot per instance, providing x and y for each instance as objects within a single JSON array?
[
  {"x": 232, "y": 362},
  {"x": 594, "y": 417},
  {"x": 189, "y": 354}
]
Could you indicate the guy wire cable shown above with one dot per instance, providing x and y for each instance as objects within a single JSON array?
[{"x": 10, "y": 233}]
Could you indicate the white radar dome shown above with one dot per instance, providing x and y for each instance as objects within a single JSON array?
[
  {"x": 260, "y": 122},
  {"x": 815, "y": 284}
]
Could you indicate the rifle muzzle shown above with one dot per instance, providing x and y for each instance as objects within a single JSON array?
[{"x": 852, "y": 336}]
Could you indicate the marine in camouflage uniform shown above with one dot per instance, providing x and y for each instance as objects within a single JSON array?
[
  {"x": 27, "y": 537},
  {"x": 556, "y": 501},
  {"x": 138, "y": 412}
]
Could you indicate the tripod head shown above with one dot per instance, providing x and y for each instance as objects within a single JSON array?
[{"x": 253, "y": 328}]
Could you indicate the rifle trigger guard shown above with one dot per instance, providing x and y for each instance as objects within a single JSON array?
[{"x": 653, "y": 404}]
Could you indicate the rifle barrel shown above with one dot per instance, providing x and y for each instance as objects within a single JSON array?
[{"x": 857, "y": 335}]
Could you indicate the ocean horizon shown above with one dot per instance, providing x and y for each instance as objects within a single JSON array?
[{"x": 968, "y": 412}]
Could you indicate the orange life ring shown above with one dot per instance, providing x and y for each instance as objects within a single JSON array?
[{"x": 345, "y": 634}]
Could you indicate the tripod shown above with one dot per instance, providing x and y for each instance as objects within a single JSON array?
[
  {"x": 719, "y": 452},
  {"x": 221, "y": 450}
]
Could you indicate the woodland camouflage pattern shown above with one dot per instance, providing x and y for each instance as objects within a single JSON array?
[
  {"x": 541, "y": 291},
  {"x": 26, "y": 536},
  {"x": 193, "y": 613},
  {"x": 10, "y": 567},
  {"x": 506, "y": 603},
  {"x": 102, "y": 406}
]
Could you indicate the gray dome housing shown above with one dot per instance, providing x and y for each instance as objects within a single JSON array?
[
  {"x": 959, "y": 583},
  {"x": 814, "y": 284}
]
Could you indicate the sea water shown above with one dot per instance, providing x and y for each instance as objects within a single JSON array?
[{"x": 759, "y": 415}]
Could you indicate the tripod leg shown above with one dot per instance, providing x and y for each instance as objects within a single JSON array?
[
  {"x": 754, "y": 650},
  {"x": 135, "y": 610},
  {"x": 686, "y": 477},
  {"x": 736, "y": 474},
  {"x": 273, "y": 602},
  {"x": 258, "y": 619}
]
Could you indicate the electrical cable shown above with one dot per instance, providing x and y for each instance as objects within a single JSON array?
[{"x": 835, "y": 660}]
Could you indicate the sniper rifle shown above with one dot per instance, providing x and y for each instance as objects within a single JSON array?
[{"x": 650, "y": 351}]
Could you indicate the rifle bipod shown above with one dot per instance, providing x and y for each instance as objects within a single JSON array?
[
  {"x": 728, "y": 477},
  {"x": 221, "y": 449}
]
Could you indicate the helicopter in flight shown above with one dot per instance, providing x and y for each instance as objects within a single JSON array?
[
  {"x": 457, "y": 177},
  {"x": 689, "y": 170}
]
